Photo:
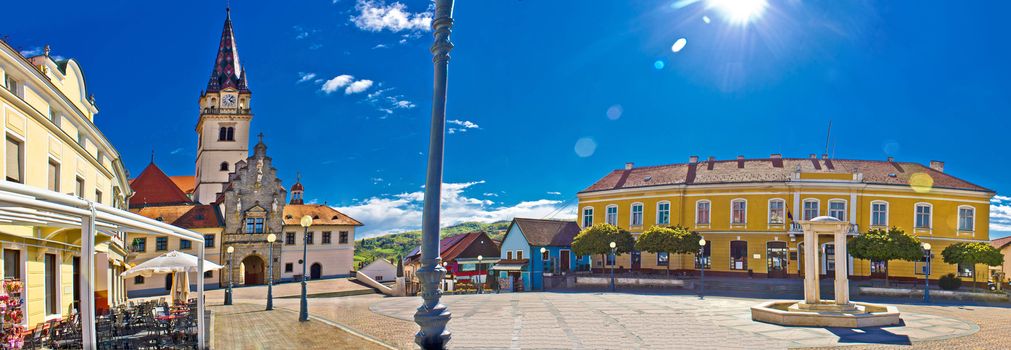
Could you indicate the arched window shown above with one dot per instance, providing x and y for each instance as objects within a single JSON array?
[
  {"x": 231, "y": 134},
  {"x": 224, "y": 166},
  {"x": 702, "y": 212}
]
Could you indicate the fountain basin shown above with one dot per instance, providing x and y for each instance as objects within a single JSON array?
[{"x": 827, "y": 314}]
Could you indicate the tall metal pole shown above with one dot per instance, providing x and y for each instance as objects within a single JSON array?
[
  {"x": 303, "y": 310},
  {"x": 433, "y": 316},
  {"x": 228, "y": 293},
  {"x": 702, "y": 272},
  {"x": 614, "y": 260},
  {"x": 926, "y": 279},
  {"x": 270, "y": 277}
]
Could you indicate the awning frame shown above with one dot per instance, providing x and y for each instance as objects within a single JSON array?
[{"x": 25, "y": 205}]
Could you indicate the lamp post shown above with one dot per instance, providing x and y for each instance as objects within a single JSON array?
[
  {"x": 270, "y": 271},
  {"x": 480, "y": 282},
  {"x": 614, "y": 258},
  {"x": 303, "y": 310},
  {"x": 432, "y": 316},
  {"x": 702, "y": 268},
  {"x": 926, "y": 273},
  {"x": 545, "y": 261},
  {"x": 228, "y": 292}
]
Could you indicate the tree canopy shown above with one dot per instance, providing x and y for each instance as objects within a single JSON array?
[
  {"x": 658, "y": 239},
  {"x": 597, "y": 239},
  {"x": 884, "y": 245},
  {"x": 972, "y": 253}
]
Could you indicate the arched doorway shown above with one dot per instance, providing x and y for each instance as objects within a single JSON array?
[
  {"x": 254, "y": 270},
  {"x": 315, "y": 271}
]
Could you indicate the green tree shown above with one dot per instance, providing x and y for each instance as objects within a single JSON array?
[
  {"x": 658, "y": 239},
  {"x": 885, "y": 245},
  {"x": 597, "y": 239},
  {"x": 972, "y": 253}
]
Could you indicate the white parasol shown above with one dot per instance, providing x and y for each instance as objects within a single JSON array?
[{"x": 170, "y": 262}]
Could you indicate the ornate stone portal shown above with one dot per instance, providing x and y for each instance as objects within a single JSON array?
[{"x": 813, "y": 311}]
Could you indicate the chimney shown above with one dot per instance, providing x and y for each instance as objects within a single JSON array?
[
  {"x": 740, "y": 157},
  {"x": 813, "y": 156},
  {"x": 628, "y": 166},
  {"x": 891, "y": 159},
  {"x": 776, "y": 156},
  {"x": 693, "y": 159},
  {"x": 937, "y": 165},
  {"x": 712, "y": 159},
  {"x": 824, "y": 156}
]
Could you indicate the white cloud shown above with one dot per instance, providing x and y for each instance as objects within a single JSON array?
[
  {"x": 402, "y": 212},
  {"x": 336, "y": 83},
  {"x": 554, "y": 193},
  {"x": 35, "y": 51},
  {"x": 379, "y": 46},
  {"x": 302, "y": 32},
  {"x": 358, "y": 86},
  {"x": 464, "y": 123},
  {"x": 304, "y": 77},
  {"x": 176, "y": 151},
  {"x": 376, "y": 16},
  {"x": 1000, "y": 215}
]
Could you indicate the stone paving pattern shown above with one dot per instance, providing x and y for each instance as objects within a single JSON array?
[
  {"x": 637, "y": 320},
  {"x": 241, "y": 326},
  {"x": 605, "y": 320}
]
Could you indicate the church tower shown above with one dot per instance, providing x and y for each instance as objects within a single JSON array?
[{"x": 223, "y": 128}]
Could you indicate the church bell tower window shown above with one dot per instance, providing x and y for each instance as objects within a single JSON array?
[{"x": 226, "y": 133}]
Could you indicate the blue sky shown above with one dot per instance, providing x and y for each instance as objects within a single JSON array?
[{"x": 545, "y": 97}]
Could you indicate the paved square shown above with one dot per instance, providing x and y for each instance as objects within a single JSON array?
[{"x": 606, "y": 320}]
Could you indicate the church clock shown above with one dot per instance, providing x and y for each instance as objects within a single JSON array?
[{"x": 228, "y": 101}]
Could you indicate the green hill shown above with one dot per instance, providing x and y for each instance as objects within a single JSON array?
[{"x": 400, "y": 244}]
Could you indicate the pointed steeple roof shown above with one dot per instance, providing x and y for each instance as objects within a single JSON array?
[
  {"x": 152, "y": 187},
  {"x": 227, "y": 72}
]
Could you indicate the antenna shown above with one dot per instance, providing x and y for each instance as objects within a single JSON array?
[
  {"x": 152, "y": 155},
  {"x": 828, "y": 135}
]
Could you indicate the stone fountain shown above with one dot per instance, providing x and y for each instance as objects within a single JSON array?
[{"x": 813, "y": 311}]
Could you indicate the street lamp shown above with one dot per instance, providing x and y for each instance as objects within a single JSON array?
[
  {"x": 270, "y": 271},
  {"x": 303, "y": 311},
  {"x": 432, "y": 316},
  {"x": 926, "y": 273},
  {"x": 228, "y": 293},
  {"x": 480, "y": 283},
  {"x": 614, "y": 259},
  {"x": 702, "y": 268},
  {"x": 543, "y": 260}
]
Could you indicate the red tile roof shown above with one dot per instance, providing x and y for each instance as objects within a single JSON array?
[
  {"x": 451, "y": 247},
  {"x": 185, "y": 216},
  {"x": 152, "y": 187},
  {"x": 769, "y": 170},
  {"x": 321, "y": 215},
  {"x": 1001, "y": 242},
  {"x": 186, "y": 183}
]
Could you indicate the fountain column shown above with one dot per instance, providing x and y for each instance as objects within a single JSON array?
[
  {"x": 812, "y": 292},
  {"x": 842, "y": 284}
]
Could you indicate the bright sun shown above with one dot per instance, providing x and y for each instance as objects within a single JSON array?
[{"x": 739, "y": 11}]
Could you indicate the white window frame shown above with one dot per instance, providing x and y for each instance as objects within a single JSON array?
[
  {"x": 972, "y": 223},
  {"x": 607, "y": 214},
  {"x": 887, "y": 210},
  {"x": 845, "y": 209},
  {"x": 658, "y": 204},
  {"x": 631, "y": 216},
  {"x": 24, "y": 155},
  {"x": 783, "y": 219},
  {"x": 803, "y": 208},
  {"x": 930, "y": 221},
  {"x": 709, "y": 212},
  {"x": 583, "y": 216},
  {"x": 738, "y": 200}
]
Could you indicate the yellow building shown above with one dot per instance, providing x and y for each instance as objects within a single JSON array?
[
  {"x": 746, "y": 209},
  {"x": 51, "y": 143}
]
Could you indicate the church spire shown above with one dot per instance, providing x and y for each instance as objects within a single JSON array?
[{"x": 227, "y": 72}]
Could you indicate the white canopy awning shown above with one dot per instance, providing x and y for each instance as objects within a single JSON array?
[{"x": 170, "y": 262}]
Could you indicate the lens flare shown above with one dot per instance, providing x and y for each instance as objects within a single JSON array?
[
  {"x": 658, "y": 64},
  {"x": 678, "y": 45},
  {"x": 585, "y": 147},
  {"x": 739, "y": 11},
  {"x": 921, "y": 182},
  {"x": 614, "y": 112}
]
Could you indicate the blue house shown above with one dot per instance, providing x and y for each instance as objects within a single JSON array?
[{"x": 533, "y": 247}]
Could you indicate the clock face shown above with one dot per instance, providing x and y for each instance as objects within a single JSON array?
[{"x": 228, "y": 101}]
